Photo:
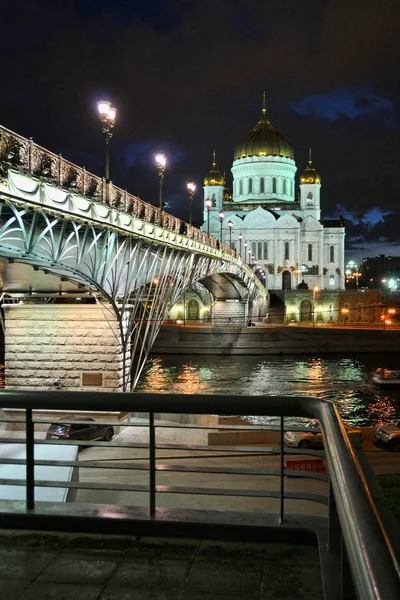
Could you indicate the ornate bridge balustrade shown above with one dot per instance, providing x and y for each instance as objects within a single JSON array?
[{"x": 55, "y": 217}]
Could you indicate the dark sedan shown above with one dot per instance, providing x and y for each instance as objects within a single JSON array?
[{"x": 67, "y": 429}]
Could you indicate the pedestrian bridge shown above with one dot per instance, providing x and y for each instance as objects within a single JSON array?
[{"x": 139, "y": 260}]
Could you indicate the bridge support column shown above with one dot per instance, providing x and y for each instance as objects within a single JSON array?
[{"x": 63, "y": 346}]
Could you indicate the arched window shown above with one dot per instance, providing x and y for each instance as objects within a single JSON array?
[
  {"x": 284, "y": 187},
  {"x": 250, "y": 185},
  {"x": 274, "y": 185},
  {"x": 286, "y": 250},
  {"x": 332, "y": 280},
  {"x": 262, "y": 185},
  {"x": 241, "y": 187},
  {"x": 309, "y": 251},
  {"x": 259, "y": 251},
  {"x": 265, "y": 250},
  {"x": 332, "y": 254},
  {"x": 254, "y": 248},
  {"x": 309, "y": 198}
]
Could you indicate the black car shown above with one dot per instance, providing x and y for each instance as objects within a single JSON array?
[{"x": 66, "y": 429}]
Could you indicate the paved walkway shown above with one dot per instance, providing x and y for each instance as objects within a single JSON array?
[{"x": 43, "y": 566}]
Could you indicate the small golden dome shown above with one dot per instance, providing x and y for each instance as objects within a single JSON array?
[
  {"x": 310, "y": 175},
  {"x": 214, "y": 177},
  {"x": 264, "y": 140}
]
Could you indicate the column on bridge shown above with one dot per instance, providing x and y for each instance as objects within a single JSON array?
[{"x": 72, "y": 347}]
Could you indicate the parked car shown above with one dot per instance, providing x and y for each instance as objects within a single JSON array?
[
  {"x": 169, "y": 322},
  {"x": 66, "y": 429},
  {"x": 313, "y": 439},
  {"x": 389, "y": 436}
]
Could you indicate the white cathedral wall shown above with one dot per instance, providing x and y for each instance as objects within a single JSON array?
[{"x": 255, "y": 167}]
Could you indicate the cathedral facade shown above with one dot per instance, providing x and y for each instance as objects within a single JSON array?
[{"x": 270, "y": 224}]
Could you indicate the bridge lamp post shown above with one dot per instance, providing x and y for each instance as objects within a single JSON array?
[
  {"x": 230, "y": 225},
  {"x": 191, "y": 188},
  {"x": 161, "y": 162},
  {"x": 249, "y": 253},
  {"x": 107, "y": 116},
  {"x": 221, "y": 218},
  {"x": 240, "y": 244},
  {"x": 208, "y": 205}
]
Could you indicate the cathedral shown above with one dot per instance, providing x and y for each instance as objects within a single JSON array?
[{"x": 268, "y": 222}]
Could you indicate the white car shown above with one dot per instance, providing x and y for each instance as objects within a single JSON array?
[{"x": 313, "y": 439}]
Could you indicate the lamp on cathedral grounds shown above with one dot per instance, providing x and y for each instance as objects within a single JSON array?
[
  {"x": 107, "y": 116},
  {"x": 221, "y": 218},
  {"x": 161, "y": 162},
  {"x": 230, "y": 225},
  {"x": 191, "y": 188},
  {"x": 208, "y": 206},
  {"x": 315, "y": 290},
  {"x": 240, "y": 244},
  {"x": 249, "y": 253}
]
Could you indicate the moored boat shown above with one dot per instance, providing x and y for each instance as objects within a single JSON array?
[{"x": 387, "y": 377}]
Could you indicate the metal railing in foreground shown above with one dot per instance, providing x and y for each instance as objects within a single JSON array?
[{"x": 372, "y": 551}]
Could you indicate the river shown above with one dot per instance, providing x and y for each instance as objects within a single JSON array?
[{"x": 346, "y": 380}]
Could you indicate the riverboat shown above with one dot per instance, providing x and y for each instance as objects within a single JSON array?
[{"x": 386, "y": 377}]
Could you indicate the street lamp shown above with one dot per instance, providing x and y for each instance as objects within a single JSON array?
[
  {"x": 107, "y": 116},
  {"x": 208, "y": 205},
  {"x": 249, "y": 253},
  {"x": 191, "y": 188},
  {"x": 221, "y": 218},
  {"x": 230, "y": 225},
  {"x": 315, "y": 290},
  {"x": 240, "y": 244},
  {"x": 161, "y": 162}
]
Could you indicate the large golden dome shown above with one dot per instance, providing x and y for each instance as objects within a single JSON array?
[
  {"x": 264, "y": 140},
  {"x": 310, "y": 175},
  {"x": 214, "y": 177}
]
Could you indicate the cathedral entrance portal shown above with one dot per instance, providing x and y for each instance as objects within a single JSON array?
[
  {"x": 286, "y": 280},
  {"x": 193, "y": 310},
  {"x": 306, "y": 311}
]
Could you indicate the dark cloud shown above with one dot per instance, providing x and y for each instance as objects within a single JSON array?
[{"x": 187, "y": 77}]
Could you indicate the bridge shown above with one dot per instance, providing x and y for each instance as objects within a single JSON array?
[{"x": 130, "y": 259}]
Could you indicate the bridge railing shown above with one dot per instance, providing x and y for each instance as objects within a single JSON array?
[
  {"x": 24, "y": 154},
  {"x": 355, "y": 509}
]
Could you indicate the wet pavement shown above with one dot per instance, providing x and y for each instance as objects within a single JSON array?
[{"x": 61, "y": 566}]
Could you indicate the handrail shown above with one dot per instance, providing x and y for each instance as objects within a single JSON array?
[{"x": 373, "y": 554}]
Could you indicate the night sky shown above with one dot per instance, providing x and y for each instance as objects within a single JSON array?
[{"x": 187, "y": 77}]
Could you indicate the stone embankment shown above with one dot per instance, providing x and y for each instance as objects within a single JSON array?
[{"x": 263, "y": 340}]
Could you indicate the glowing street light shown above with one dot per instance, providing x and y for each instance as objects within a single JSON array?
[
  {"x": 191, "y": 188},
  {"x": 221, "y": 218},
  {"x": 161, "y": 162},
  {"x": 240, "y": 244},
  {"x": 107, "y": 115},
  {"x": 230, "y": 225},
  {"x": 208, "y": 205},
  {"x": 315, "y": 290}
]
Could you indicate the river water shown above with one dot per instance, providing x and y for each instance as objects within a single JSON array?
[{"x": 346, "y": 380}]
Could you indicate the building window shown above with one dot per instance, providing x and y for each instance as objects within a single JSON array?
[
  {"x": 262, "y": 185},
  {"x": 254, "y": 248},
  {"x": 265, "y": 250},
  {"x": 292, "y": 187},
  {"x": 259, "y": 251},
  {"x": 309, "y": 251},
  {"x": 284, "y": 187},
  {"x": 250, "y": 185},
  {"x": 332, "y": 280},
  {"x": 309, "y": 198},
  {"x": 274, "y": 185},
  {"x": 331, "y": 253},
  {"x": 286, "y": 250},
  {"x": 241, "y": 187}
]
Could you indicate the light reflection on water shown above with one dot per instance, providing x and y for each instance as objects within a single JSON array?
[{"x": 346, "y": 381}]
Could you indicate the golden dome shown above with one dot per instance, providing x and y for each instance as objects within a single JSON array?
[
  {"x": 214, "y": 177},
  {"x": 264, "y": 140},
  {"x": 310, "y": 175}
]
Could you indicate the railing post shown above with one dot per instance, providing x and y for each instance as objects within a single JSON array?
[
  {"x": 30, "y": 460},
  {"x": 59, "y": 169},
  {"x": 30, "y": 155},
  {"x": 282, "y": 481},
  {"x": 152, "y": 464}
]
